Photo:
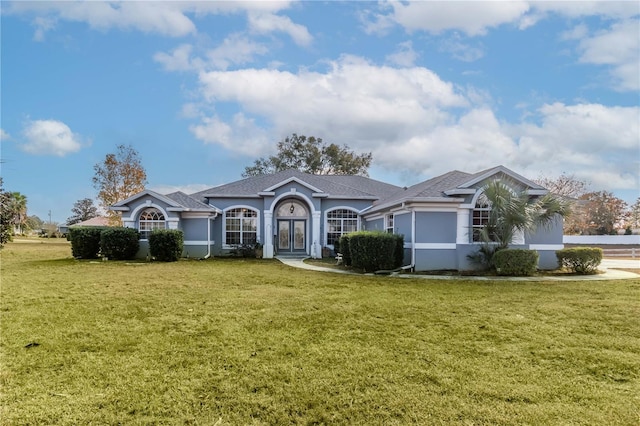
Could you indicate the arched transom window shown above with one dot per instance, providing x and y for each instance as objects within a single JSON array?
[
  {"x": 340, "y": 222},
  {"x": 150, "y": 219},
  {"x": 241, "y": 226},
  {"x": 481, "y": 214}
]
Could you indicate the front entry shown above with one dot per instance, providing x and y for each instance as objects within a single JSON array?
[{"x": 291, "y": 235}]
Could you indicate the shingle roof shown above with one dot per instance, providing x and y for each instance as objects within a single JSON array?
[
  {"x": 189, "y": 202},
  {"x": 432, "y": 188},
  {"x": 333, "y": 185}
]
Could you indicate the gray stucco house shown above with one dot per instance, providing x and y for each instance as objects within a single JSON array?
[{"x": 294, "y": 213}]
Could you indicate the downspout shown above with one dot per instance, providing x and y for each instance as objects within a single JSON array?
[{"x": 208, "y": 255}]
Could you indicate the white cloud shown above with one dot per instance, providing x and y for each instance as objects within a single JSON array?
[
  {"x": 356, "y": 102},
  {"x": 50, "y": 137},
  {"x": 413, "y": 121},
  {"x": 4, "y": 135},
  {"x": 618, "y": 47},
  {"x": 261, "y": 23},
  {"x": 234, "y": 50},
  {"x": 179, "y": 59},
  {"x": 404, "y": 56},
  {"x": 475, "y": 18},
  {"x": 461, "y": 51},
  {"x": 241, "y": 135},
  {"x": 169, "y": 18},
  {"x": 471, "y": 18},
  {"x": 589, "y": 139}
]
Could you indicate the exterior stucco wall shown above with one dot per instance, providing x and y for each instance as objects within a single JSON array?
[
  {"x": 373, "y": 225},
  {"x": 552, "y": 235},
  {"x": 194, "y": 229},
  {"x": 436, "y": 227},
  {"x": 402, "y": 225},
  {"x": 431, "y": 260},
  {"x": 195, "y": 237}
]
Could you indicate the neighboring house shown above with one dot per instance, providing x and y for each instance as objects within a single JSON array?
[
  {"x": 294, "y": 213},
  {"x": 94, "y": 221}
]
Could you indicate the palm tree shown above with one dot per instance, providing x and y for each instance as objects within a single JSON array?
[
  {"x": 18, "y": 208},
  {"x": 514, "y": 212}
]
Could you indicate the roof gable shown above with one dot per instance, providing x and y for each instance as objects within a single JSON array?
[
  {"x": 468, "y": 187},
  {"x": 123, "y": 205}
]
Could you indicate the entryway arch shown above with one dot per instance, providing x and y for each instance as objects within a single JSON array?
[{"x": 292, "y": 220}]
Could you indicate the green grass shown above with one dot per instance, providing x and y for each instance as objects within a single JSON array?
[{"x": 230, "y": 341}]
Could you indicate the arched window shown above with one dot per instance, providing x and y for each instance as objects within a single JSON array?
[
  {"x": 340, "y": 222},
  {"x": 241, "y": 226},
  {"x": 481, "y": 214},
  {"x": 150, "y": 219}
]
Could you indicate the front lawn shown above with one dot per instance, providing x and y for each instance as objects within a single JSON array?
[{"x": 233, "y": 341}]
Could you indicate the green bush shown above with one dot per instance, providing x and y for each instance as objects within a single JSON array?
[
  {"x": 166, "y": 244},
  {"x": 374, "y": 250},
  {"x": 582, "y": 260},
  {"x": 119, "y": 243},
  {"x": 85, "y": 241},
  {"x": 516, "y": 262},
  {"x": 343, "y": 244}
]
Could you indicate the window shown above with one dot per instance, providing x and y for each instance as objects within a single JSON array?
[
  {"x": 150, "y": 219},
  {"x": 340, "y": 222},
  {"x": 481, "y": 218},
  {"x": 388, "y": 223},
  {"x": 241, "y": 226}
]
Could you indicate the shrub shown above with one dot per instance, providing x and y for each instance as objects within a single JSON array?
[
  {"x": 343, "y": 244},
  {"x": 582, "y": 260},
  {"x": 85, "y": 241},
  {"x": 374, "y": 250},
  {"x": 119, "y": 243},
  {"x": 515, "y": 262},
  {"x": 166, "y": 244},
  {"x": 243, "y": 250}
]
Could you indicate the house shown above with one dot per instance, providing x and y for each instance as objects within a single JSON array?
[
  {"x": 94, "y": 221},
  {"x": 294, "y": 213}
]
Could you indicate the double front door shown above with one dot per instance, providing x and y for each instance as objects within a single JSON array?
[{"x": 291, "y": 235}]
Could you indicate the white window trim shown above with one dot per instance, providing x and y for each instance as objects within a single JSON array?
[
  {"x": 137, "y": 212},
  {"x": 386, "y": 223},
  {"x": 326, "y": 222},
  {"x": 224, "y": 223}
]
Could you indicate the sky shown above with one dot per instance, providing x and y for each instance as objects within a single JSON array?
[{"x": 202, "y": 89}]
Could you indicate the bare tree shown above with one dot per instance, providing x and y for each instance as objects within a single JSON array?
[{"x": 118, "y": 177}]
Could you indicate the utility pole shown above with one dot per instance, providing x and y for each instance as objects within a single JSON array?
[{"x": 49, "y": 217}]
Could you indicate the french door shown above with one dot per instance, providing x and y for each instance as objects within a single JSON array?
[{"x": 291, "y": 235}]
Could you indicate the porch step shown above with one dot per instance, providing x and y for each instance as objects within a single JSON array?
[{"x": 291, "y": 256}]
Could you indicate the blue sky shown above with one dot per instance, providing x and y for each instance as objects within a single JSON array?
[{"x": 202, "y": 89}]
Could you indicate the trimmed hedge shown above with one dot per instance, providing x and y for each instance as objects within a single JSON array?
[
  {"x": 165, "y": 245},
  {"x": 119, "y": 243},
  {"x": 516, "y": 262},
  {"x": 85, "y": 241},
  {"x": 374, "y": 250},
  {"x": 343, "y": 244},
  {"x": 581, "y": 260}
]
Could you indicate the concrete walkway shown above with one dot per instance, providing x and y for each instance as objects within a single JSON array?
[{"x": 607, "y": 267}]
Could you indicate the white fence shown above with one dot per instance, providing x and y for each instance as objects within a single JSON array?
[
  {"x": 626, "y": 252},
  {"x": 602, "y": 239}
]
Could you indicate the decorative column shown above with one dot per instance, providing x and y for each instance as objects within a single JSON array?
[
  {"x": 462, "y": 227},
  {"x": 316, "y": 248},
  {"x": 267, "y": 244}
]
